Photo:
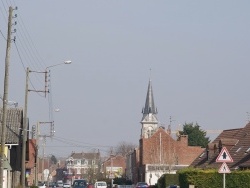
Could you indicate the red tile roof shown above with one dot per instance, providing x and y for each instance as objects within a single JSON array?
[{"x": 237, "y": 142}]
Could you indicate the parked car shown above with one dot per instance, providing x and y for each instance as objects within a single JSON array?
[
  {"x": 173, "y": 186},
  {"x": 100, "y": 184},
  {"x": 141, "y": 185},
  {"x": 79, "y": 183},
  {"x": 90, "y": 185},
  {"x": 59, "y": 183},
  {"x": 41, "y": 185},
  {"x": 66, "y": 185},
  {"x": 52, "y": 185}
]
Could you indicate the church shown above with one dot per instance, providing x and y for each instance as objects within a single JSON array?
[{"x": 158, "y": 152}]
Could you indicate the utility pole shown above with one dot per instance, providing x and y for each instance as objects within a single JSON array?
[
  {"x": 37, "y": 148},
  {"x": 25, "y": 127},
  {"x": 43, "y": 154},
  {"x": 5, "y": 97},
  {"x": 25, "y": 122}
]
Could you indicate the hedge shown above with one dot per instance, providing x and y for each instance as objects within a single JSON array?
[{"x": 209, "y": 178}]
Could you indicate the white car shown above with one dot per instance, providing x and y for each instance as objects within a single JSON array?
[
  {"x": 100, "y": 184},
  {"x": 66, "y": 185},
  {"x": 41, "y": 185}
]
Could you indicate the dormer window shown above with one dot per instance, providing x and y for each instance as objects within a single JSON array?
[
  {"x": 238, "y": 149},
  {"x": 247, "y": 150},
  {"x": 201, "y": 155}
]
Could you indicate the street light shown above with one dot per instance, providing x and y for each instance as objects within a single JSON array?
[
  {"x": 67, "y": 62},
  {"x": 25, "y": 120}
]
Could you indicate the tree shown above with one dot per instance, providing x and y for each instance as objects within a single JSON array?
[
  {"x": 196, "y": 136},
  {"x": 124, "y": 148},
  {"x": 53, "y": 159}
]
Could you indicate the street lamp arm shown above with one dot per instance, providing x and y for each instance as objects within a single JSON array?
[
  {"x": 65, "y": 62},
  {"x": 46, "y": 72}
]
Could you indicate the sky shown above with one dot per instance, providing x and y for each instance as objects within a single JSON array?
[{"x": 195, "y": 52}]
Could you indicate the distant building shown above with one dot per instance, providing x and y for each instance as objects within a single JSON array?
[
  {"x": 113, "y": 167},
  {"x": 31, "y": 162},
  {"x": 158, "y": 152},
  {"x": 82, "y": 166}
]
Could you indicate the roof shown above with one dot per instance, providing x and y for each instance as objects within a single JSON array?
[
  {"x": 149, "y": 111},
  {"x": 237, "y": 142},
  {"x": 83, "y": 155},
  {"x": 13, "y": 124},
  {"x": 149, "y": 104}
]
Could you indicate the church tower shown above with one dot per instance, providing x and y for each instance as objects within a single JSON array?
[{"x": 149, "y": 120}]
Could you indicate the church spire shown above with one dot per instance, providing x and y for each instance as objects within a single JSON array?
[
  {"x": 149, "y": 120},
  {"x": 149, "y": 104}
]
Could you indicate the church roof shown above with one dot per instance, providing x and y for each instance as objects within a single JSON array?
[{"x": 149, "y": 104}]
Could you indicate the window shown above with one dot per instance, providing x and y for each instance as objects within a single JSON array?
[
  {"x": 78, "y": 171},
  {"x": 247, "y": 150},
  {"x": 86, "y": 162},
  {"x": 238, "y": 149},
  {"x": 201, "y": 155}
]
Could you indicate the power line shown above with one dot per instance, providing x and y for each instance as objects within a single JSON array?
[
  {"x": 24, "y": 68},
  {"x": 3, "y": 35},
  {"x": 69, "y": 140}
]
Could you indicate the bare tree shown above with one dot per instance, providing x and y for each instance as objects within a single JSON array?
[{"x": 124, "y": 148}]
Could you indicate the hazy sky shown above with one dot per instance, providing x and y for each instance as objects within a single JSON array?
[{"x": 198, "y": 51}]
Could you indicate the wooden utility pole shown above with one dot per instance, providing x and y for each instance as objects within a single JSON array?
[
  {"x": 5, "y": 98},
  {"x": 37, "y": 148},
  {"x": 25, "y": 127}
]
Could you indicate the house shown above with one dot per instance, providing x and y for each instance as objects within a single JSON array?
[
  {"x": 132, "y": 165},
  {"x": 158, "y": 151},
  {"x": 237, "y": 142},
  {"x": 113, "y": 167},
  {"x": 13, "y": 143},
  {"x": 82, "y": 166},
  {"x": 31, "y": 162},
  {"x": 44, "y": 163}
]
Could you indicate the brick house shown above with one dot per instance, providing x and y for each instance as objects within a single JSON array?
[
  {"x": 158, "y": 151},
  {"x": 31, "y": 162},
  {"x": 237, "y": 142},
  {"x": 113, "y": 167}
]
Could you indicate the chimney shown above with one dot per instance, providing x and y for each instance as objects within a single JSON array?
[{"x": 184, "y": 139}]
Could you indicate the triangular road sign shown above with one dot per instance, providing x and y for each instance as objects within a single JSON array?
[
  {"x": 224, "y": 168},
  {"x": 224, "y": 156}
]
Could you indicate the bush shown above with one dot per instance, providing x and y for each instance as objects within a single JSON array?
[
  {"x": 210, "y": 178},
  {"x": 33, "y": 186},
  {"x": 168, "y": 179}
]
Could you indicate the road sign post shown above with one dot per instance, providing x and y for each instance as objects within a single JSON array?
[{"x": 224, "y": 157}]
